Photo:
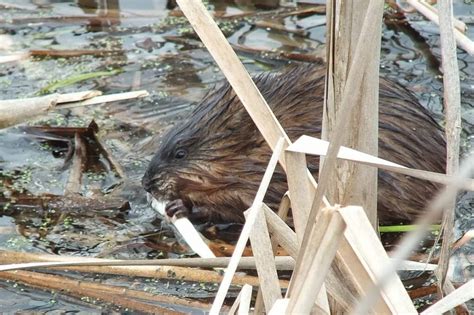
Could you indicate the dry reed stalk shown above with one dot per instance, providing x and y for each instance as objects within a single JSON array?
[
  {"x": 20, "y": 110},
  {"x": 453, "y": 299},
  {"x": 305, "y": 144},
  {"x": 411, "y": 240},
  {"x": 265, "y": 261},
  {"x": 192, "y": 237},
  {"x": 281, "y": 232},
  {"x": 337, "y": 286},
  {"x": 462, "y": 40},
  {"x": 236, "y": 304},
  {"x": 107, "y": 99},
  {"x": 306, "y": 285},
  {"x": 368, "y": 33},
  {"x": 15, "y": 111},
  {"x": 356, "y": 273},
  {"x": 158, "y": 268},
  {"x": 185, "y": 229},
  {"x": 301, "y": 199},
  {"x": 416, "y": 266},
  {"x": 245, "y": 300},
  {"x": 315, "y": 146},
  {"x": 18, "y": 261},
  {"x": 282, "y": 213},
  {"x": 110, "y": 294},
  {"x": 452, "y": 106},
  {"x": 77, "y": 96},
  {"x": 242, "y": 302},
  {"x": 353, "y": 34},
  {"x": 279, "y": 308},
  {"x": 246, "y": 230},
  {"x": 300, "y": 191},
  {"x": 364, "y": 241}
]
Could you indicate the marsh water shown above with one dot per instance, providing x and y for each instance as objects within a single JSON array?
[{"x": 126, "y": 45}]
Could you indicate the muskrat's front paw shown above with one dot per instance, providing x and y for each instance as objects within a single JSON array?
[{"x": 178, "y": 208}]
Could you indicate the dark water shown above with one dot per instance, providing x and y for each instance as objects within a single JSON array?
[{"x": 155, "y": 50}]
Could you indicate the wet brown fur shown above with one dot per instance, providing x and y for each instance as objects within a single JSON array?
[{"x": 227, "y": 156}]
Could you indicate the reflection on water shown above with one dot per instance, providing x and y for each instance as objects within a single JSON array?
[{"x": 154, "y": 48}]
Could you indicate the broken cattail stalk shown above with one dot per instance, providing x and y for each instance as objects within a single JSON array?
[
  {"x": 242, "y": 302},
  {"x": 107, "y": 99},
  {"x": 315, "y": 146},
  {"x": 185, "y": 229},
  {"x": 20, "y": 110},
  {"x": 192, "y": 237}
]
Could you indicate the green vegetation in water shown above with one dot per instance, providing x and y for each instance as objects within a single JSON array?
[
  {"x": 96, "y": 177},
  {"x": 18, "y": 242},
  {"x": 19, "y": 179},
  {"x": 77, "y": 78},
  {"x": 405, "y": 228}
]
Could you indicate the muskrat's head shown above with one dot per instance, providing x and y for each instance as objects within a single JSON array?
[
  {"x": 212, "y": 159},
  {"x": 216, "y": 158}
]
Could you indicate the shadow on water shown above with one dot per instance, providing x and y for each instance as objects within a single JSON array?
[{"x": 152, "y": 47}]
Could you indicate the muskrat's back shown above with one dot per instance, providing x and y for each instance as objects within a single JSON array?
[{"x": 215, "y": 159}]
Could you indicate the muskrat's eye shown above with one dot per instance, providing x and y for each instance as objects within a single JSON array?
[{"x": 180, "y": 154}]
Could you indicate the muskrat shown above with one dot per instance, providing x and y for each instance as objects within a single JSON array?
[{"x": 211, "y": 164}]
